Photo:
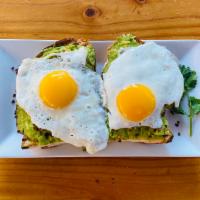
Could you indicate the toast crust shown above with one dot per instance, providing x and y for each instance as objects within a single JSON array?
[{"x": 63, "y": 42}]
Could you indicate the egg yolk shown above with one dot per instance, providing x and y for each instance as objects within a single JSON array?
[
  {"x": 136, "y": 102},
  {"x": 58, "y": 89}
]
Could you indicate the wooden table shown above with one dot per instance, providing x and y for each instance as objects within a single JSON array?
[{"x": 100, "y": 178}]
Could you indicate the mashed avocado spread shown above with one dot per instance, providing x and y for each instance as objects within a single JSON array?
[
  {"x": 136, "y": 133},
  {"x": 123, "y": 41},
  {"x": 90, "y": 61},
  {"x": 35, "y": 135},
  {"x": 142, "y": 133}
]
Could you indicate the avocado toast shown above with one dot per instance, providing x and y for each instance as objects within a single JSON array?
[
  {"x": 142, "y": 133},
  {"x": 32, "y": 135}
]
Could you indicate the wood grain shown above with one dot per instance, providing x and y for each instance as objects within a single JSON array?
[
  {"x": 95, "y": 179},
  {"x": 100, "y": 178},
  {"x": 50, "y": 19}
]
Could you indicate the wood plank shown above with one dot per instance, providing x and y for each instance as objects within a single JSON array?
[
  {"x": 51, "y": 19},
  {"x": 107, "y": 178}
]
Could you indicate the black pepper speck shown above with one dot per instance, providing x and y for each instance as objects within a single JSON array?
[
  {"x": 177, "y": 123},
  {"x": 13, "y": 101}
]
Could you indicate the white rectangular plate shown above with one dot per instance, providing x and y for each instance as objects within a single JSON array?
[{"x": 11, "y": 54}]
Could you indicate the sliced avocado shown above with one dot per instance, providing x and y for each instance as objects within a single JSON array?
[
  {"x": 32, "y": 134},
  {"x": 137, "y": 134}
]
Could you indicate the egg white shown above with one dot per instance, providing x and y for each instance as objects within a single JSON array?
[
  {"x": 82, "y": 123},
  {"x": 151, "y": 65}
]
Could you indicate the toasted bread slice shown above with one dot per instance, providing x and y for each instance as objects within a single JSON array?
[
  {"x": 135, "y": 134},
  {"x": 32, "y": 135}
]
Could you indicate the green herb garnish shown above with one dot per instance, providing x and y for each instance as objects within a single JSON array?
[
  {"x": 190, "y": 78},
  {"x": 190, "y": 82},
  {"x": 194, "y": 105}
]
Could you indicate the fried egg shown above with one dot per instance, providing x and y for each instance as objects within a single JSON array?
[
  {"x": 139, "y": 83},
  {"x": 64, "y": 97}
]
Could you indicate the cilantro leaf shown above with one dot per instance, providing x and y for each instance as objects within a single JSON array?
[
  {"x": 190, "y": 78},
  {"x": 194, "y": 105},
  {"x": 190, "y": 82}
]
